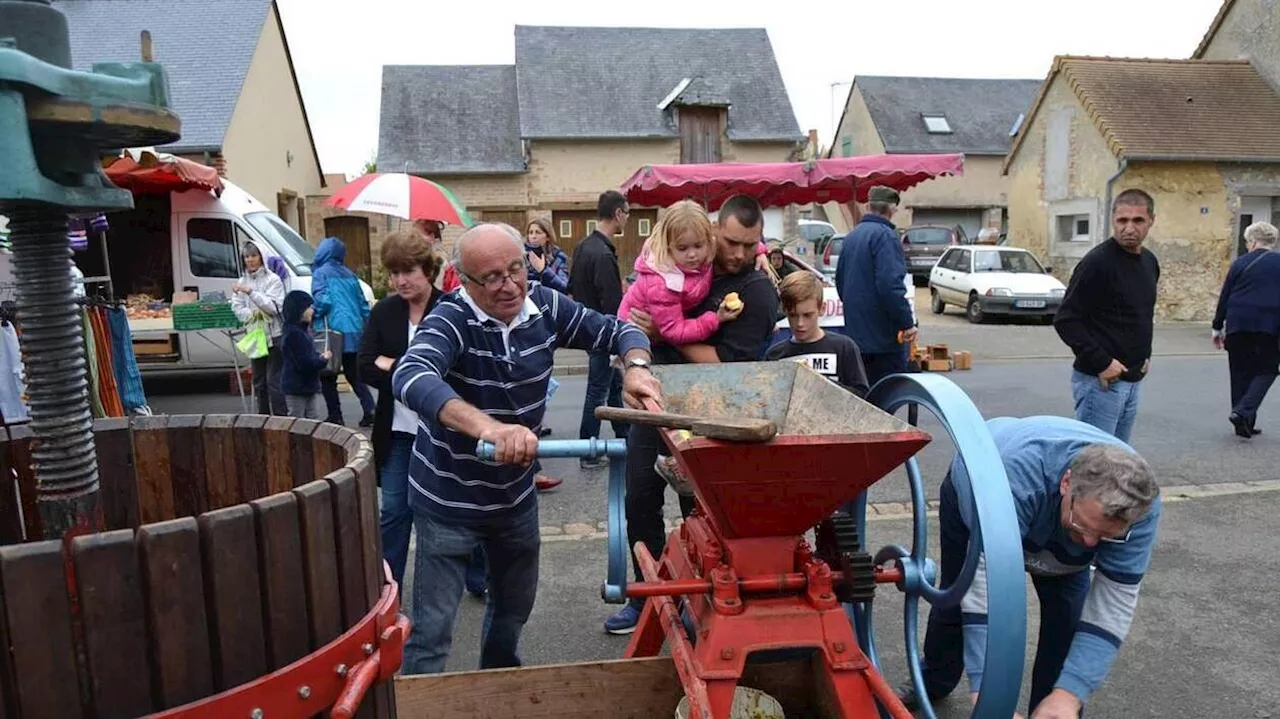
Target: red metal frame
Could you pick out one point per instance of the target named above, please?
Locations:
(335, 678)
(787, 602)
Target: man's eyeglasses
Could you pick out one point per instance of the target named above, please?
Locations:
(494, 280)
(1071, 514)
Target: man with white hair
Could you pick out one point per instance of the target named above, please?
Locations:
(1247, 325)
(1083, 499)
(478, 369)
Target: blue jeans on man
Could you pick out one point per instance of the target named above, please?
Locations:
(396, 518)
(511, 545)
(604, 383)
(1061, 601)
(1111, 410)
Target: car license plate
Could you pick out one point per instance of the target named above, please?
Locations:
(1029, 304)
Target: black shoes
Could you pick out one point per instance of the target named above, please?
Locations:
(907, 695)
(1242, 426)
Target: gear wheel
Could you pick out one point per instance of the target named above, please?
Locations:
(839, 545)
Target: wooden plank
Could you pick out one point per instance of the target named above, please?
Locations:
(619, 689)
(347, 529)
(284, 589)
(233, 592)
(37, 631)
(115, 626)
(220, 460)
(176, 620)
(301, 449)
(118, 483)
(279, 461)
(320, 561)
(370, 526)
(251, 458)
(353, 446)
(11, 529)
(322, 450)
(151, 462)
(20, 459)
(187, 465)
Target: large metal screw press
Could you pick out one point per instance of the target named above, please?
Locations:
(55, 125)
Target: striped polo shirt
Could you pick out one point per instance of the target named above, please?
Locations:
(460, 352)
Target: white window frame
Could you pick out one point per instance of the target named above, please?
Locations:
(931, 124)
(1063, 220)
(591, 226)
(643, 227)
(566, 228)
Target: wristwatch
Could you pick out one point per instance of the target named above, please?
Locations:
(639, 362)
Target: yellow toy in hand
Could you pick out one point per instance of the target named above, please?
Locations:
(732, 303)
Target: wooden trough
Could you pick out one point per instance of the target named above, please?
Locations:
(235, 547)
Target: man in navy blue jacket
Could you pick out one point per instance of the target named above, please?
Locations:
(478, 368)
(869, 277)
(1247, 325)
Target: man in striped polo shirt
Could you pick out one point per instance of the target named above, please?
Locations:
(478, 368)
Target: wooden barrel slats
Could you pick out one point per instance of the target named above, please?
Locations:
(235, 545)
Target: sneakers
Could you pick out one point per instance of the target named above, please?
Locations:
(366, 421)
(593, 463)
(545, 483)
(907, 695)
(669, 470)
(623, 621)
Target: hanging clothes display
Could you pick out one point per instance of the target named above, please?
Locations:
(107, 389)
(91, 360)
(128, 376)
(13, 390)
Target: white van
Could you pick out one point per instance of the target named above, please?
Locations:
(190, 241)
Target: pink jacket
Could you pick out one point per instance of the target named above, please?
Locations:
(666, 296)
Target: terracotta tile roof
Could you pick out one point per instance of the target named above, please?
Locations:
(1172, 109)
(1213, 29)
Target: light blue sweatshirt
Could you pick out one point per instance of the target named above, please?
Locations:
(1037, 451)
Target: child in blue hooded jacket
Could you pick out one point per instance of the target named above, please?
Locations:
(341, 304)
(302, 364)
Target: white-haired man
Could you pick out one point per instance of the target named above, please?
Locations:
(478, 368)
(1083, 499)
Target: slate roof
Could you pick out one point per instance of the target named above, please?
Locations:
(438, 119)
(205, 47)
(980, 112)
(1204, 110)
(580, 82)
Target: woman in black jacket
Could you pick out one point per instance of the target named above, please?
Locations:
(413, 267)
(1247, 325)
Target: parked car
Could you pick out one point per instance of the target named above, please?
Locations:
(813, 231)
(989, 280)
(827, 252)
(924, 244)
(831, 315)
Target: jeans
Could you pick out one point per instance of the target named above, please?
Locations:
(646, 494)
(1112, 410)
(329, 387)
(511, 544)
(396, 519)
(302, 406)
(882, 364)
(603, 383)
(266, 383)
(1061, 601)
(1252, 358)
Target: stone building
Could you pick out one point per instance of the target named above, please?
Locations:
(579, 111)
(234, 88)
(925, 115)
(1201, 136)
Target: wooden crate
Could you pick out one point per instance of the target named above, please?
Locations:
(963, 359)
(937, 365)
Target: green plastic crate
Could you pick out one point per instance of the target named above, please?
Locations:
(204, 316)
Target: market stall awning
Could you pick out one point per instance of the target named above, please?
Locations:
(150, 172)
(775, 184)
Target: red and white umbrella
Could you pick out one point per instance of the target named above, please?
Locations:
(401, 195)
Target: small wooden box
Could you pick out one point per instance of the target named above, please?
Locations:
(938, 352)
(937, 365)
(963, 359)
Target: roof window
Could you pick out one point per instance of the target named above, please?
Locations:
(937, 124)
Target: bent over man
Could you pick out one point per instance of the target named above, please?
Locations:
(1083, 499)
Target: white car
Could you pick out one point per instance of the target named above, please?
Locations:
(994, 281)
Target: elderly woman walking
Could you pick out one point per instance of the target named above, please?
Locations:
(1247, 325)
(259, 294)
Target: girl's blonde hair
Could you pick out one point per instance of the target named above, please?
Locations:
(684, 216)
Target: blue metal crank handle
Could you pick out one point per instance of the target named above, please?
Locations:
(562, 448)
(986, 505)
(614, 590)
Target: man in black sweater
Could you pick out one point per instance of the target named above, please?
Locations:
(1107, 318)
(594, 281)
(738, 230)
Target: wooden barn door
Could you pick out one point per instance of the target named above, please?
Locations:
(354, 233)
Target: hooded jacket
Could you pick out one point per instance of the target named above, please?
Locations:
(266, 296)
(302, 364)
(666, 296)
(340, 302)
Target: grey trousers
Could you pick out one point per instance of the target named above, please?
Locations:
(303, 406)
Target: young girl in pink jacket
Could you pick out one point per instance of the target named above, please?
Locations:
(673, 275)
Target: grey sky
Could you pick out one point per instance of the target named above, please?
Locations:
(340, 46)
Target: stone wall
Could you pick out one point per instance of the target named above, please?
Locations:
(1249, 32)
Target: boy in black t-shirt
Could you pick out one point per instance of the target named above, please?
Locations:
(833, 355)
